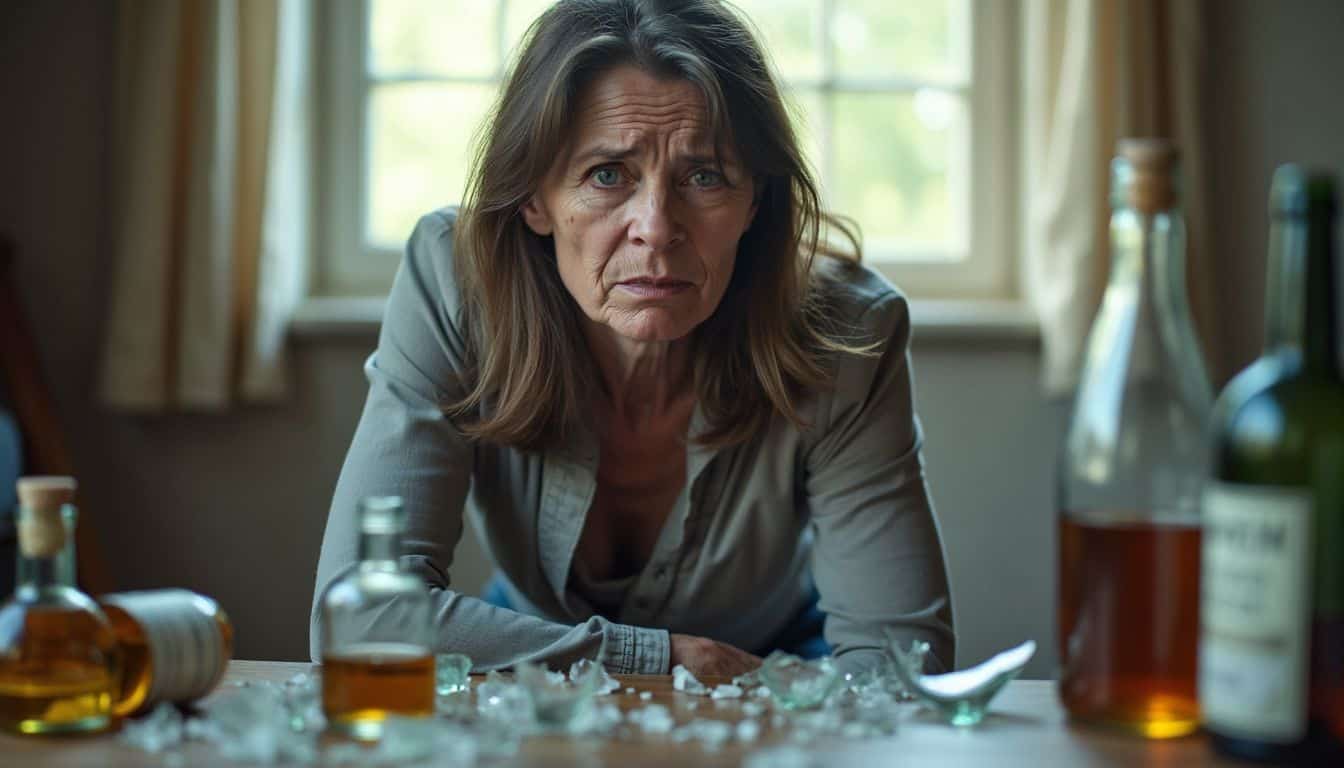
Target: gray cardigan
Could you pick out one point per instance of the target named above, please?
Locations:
(841, 503)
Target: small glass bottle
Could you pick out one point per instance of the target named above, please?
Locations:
(1131, 471)
(374, 622)
(59, 660)
(175, 646)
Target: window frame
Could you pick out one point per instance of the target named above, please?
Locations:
(347, 266)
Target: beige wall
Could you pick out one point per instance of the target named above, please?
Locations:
(233, 505)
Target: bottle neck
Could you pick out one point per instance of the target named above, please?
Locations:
(1284, 284)
(38, 573)
(379, 551)
(1320, 339)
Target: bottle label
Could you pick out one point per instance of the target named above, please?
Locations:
(1255, 599)
(185, 643)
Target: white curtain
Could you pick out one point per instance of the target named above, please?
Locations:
(1095, 71)
(211, 200)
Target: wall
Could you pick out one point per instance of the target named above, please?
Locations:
(233, 505)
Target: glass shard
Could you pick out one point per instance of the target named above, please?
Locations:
(684, 681)
(452, 673)
(963, 697)
(799, 684)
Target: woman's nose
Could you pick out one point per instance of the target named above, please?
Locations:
(654, 220)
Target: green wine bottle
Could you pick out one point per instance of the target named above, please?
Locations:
(1271, 659)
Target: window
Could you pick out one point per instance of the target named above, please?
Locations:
(904, 108)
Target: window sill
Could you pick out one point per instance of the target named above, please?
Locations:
(934, 320)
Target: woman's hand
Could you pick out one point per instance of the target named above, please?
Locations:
(703, 656)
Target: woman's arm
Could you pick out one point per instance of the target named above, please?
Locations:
(406, 446)
(878, 558)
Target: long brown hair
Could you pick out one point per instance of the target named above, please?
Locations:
(766, 344)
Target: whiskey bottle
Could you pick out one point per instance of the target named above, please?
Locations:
(374, 625)
(1134, 460)
(59, 660)
(175, 646)
(1271, 672)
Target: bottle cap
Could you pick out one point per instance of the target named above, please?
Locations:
(381, 514)
(41, 530)
(1153, 162)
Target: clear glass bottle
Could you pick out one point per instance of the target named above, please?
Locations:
(59, 660)
(1271, 674)
(175, 646)
(377, 657)
(1131, 470)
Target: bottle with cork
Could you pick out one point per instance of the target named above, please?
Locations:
(60, 664)
(1131, 473)
(172, 645)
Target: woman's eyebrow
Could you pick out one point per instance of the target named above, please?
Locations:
(607, 152)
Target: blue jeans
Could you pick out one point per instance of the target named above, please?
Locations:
(801, 637)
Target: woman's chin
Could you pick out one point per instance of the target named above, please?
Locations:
(652, 326)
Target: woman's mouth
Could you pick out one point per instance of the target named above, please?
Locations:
(654, 287)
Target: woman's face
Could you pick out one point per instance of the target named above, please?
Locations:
(645, 221)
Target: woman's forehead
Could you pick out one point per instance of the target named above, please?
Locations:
(628, 107)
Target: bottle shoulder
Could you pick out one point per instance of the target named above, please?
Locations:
(370, 586)
(1272, 418)
(57, 612)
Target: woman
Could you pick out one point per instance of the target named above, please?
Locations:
(675, 422)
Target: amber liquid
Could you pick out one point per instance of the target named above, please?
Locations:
(64, 676)
(1129, 624)
(362, 684)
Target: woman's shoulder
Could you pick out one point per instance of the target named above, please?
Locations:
(858, 302)
(428, 263)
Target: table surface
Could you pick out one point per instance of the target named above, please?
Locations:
(1025, 727)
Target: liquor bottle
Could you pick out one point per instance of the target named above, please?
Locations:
(1271, 673)
(1130, 474)
(374, 625)
(175, 646)
(59, 660)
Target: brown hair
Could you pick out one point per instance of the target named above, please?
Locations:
(765, 345)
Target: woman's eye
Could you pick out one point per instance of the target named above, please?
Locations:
(706, 178)
(606, 177)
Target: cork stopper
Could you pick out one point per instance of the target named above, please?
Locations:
(41, 530)
(1152, 184)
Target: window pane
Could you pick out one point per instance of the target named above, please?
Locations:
(899, 169)
(518, 17)
(910, 38)
(806, 109)
(434, 37)
(419, 149)
(789, 32)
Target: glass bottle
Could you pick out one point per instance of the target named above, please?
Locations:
(59, 661)
(1272, 641)
(175, 646)
(1131, 470)
(377, 657)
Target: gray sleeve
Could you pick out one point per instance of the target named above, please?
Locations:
(405, 445)
(877, 558)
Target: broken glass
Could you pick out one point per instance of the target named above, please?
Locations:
(797, 683)
(963, 697)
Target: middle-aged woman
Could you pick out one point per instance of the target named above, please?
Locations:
(683, 426)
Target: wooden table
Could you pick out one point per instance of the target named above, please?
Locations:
(1025, 727)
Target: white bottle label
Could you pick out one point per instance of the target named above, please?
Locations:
(185, 644)
(1254, 611)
